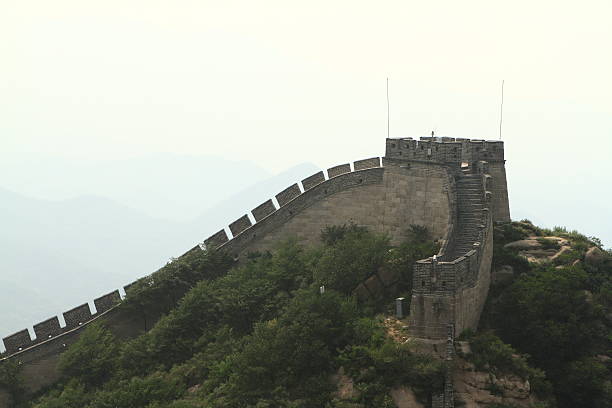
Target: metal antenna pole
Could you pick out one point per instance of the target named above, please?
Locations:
(501, 110)
(387, 108)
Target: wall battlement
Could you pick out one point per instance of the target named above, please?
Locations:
(78, 316)
(50, 328)
(448, 150)
(454, 187)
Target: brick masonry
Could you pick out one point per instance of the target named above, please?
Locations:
(415, 186)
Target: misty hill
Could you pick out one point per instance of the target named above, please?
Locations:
(55, 255)
(176, 187)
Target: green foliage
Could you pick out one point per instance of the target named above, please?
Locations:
(334, 233)
(71, 395)
(586, 383)
(345, 262)
(256, 335)
(377, 363)
(10, 379)
(288, 358)
(558, 317)
(547, 315)
(93, 358)
(548, 243)
(490, 354)
(159, 292)
(504, 234)
(140, 392)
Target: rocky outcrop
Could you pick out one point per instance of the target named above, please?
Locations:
(595, 256)
(540, 249)
(404, 397)
(480, 389)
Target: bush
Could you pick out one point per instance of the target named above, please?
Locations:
(92, 360)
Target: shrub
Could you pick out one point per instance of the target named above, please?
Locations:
(92, 359)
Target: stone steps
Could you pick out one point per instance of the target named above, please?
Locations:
(470, 205)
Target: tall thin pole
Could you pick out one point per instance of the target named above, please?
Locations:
(501, 110)
(387, 108)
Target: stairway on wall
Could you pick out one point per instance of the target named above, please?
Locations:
(470, 203)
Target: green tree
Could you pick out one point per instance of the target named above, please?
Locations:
(93, 358)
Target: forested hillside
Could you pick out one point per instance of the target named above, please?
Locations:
(261, 334)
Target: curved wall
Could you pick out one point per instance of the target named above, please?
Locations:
(386, 200)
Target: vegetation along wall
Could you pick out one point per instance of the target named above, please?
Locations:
(443, 184)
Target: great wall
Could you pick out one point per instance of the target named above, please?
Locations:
(454, 187)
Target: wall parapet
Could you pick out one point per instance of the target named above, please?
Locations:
(291, 200)
(439, 282)
(447, 150)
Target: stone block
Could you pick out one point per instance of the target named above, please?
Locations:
(338, 170)
(310, 182)
(17, 342)
(77, 316)
(216, 240)
(106, 302)
(263, 210)
(367, 163)
(240, 225)
(47, 329)
(288, 194)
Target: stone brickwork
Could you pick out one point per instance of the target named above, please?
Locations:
(384, 199)
(240, 225)
(263, 210)
(47, 329)
(367, 163)
(288, 194)
(106, 302)
(217, 239)
(17, 341)
(453, 286)
(420, 182)
(310, 182)
(338, 170)
(77, 316)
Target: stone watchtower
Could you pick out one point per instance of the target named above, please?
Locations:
(451, 287)
(456, 188)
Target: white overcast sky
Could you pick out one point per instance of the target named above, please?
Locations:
(283, 82)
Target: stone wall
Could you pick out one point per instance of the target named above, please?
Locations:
(415, 185)
(454, 291)
(385, 199)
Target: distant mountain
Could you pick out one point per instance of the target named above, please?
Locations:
(229, 210)
(55, 255)
(176, 187)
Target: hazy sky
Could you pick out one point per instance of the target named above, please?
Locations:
(282, 82)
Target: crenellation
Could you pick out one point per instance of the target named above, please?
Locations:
(216, 240)
(77, 316)
(310, 182)
(367, 163)
(288, 194)
(263, 210)
(106, 302)
(47, 329)
(17, 341)
(127, 287)
(240, 225)
(456, 187)
(338, 170)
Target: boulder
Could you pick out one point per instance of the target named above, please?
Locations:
(524, 244)
(595, 256)
(403, 397)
